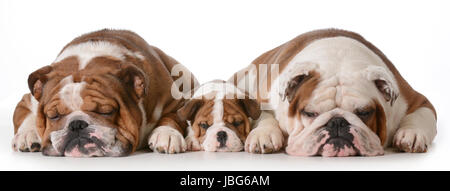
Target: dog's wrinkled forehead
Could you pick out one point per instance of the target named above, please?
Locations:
(70, 93)
(350, 74)
(345, 92)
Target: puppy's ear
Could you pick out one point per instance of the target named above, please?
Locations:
(293, 85)
(383, 82)
(37, 80)
(134, 80)
(251, 107)
(190, 108)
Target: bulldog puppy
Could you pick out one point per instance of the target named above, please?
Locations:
(102, 96)
(219, 117)
(335, 94)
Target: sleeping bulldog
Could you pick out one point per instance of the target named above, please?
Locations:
(332, 93)
(219, 116)
(102, 96)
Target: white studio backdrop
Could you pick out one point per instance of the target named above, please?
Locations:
(216, 38)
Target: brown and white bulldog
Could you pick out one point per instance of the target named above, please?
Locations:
(102, 96)
(219, 117)
(333, 93)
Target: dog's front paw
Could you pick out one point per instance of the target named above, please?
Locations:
(26, 140)
(410, 140)
(193, 144)
(165, 139)
(264, 140)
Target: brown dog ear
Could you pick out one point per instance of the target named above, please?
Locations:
(37, 80)
(293, 86)
(190, 108)
(251, 107)
(134, 80)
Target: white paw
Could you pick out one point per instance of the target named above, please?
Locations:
(193, 144)
(410, 140)
(264, 140)
(165, 139)
(26, 140)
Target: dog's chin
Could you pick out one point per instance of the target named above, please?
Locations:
(83, 147)
(319, 143)
(338, 147)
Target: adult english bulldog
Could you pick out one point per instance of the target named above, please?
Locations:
(102, 96)
(219, 117)
(332, 93)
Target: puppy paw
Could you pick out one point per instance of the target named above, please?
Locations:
(264, 140)
(165, 139)
(26, 140)
(410, 140)
(193, 144)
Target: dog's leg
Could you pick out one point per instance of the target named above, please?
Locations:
(266, 137)
(193, 144)
(167, 137)
(416, 132)
(26, 137)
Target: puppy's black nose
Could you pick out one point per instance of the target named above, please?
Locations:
(222, 138)
(337, 126)
(77, 125)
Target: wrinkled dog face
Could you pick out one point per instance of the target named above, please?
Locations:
(337, 116)
(219, 121)
(82, 125)
(89, 112)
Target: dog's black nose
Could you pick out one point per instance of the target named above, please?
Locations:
(337, 122)
(77, 125)
(337, 126)
(222, 138)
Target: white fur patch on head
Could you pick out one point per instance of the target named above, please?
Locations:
(86, 51)
(70, 93)
(217, 111)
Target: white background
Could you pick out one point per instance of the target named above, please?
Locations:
(214, 39)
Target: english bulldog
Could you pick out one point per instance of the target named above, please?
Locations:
(219, 117)
(332, 93)
(103, 96)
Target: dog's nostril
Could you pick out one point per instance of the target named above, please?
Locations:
(77, 125)
(337, 126)
(337, 122)
(222, 137)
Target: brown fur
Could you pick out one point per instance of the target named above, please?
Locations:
(232, 112)
(22, 111)
(303, 93)
(112, 79)
(199, 110)
(377, 121)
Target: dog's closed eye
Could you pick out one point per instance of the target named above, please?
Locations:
(204, 125)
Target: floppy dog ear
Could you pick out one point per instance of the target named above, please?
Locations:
(190, 108)
(293, 85)
(37, 80)
(251, 107)
(383, 82)
(134, 80)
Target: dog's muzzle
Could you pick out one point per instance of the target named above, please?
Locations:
(340, 139)
(334, 133)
